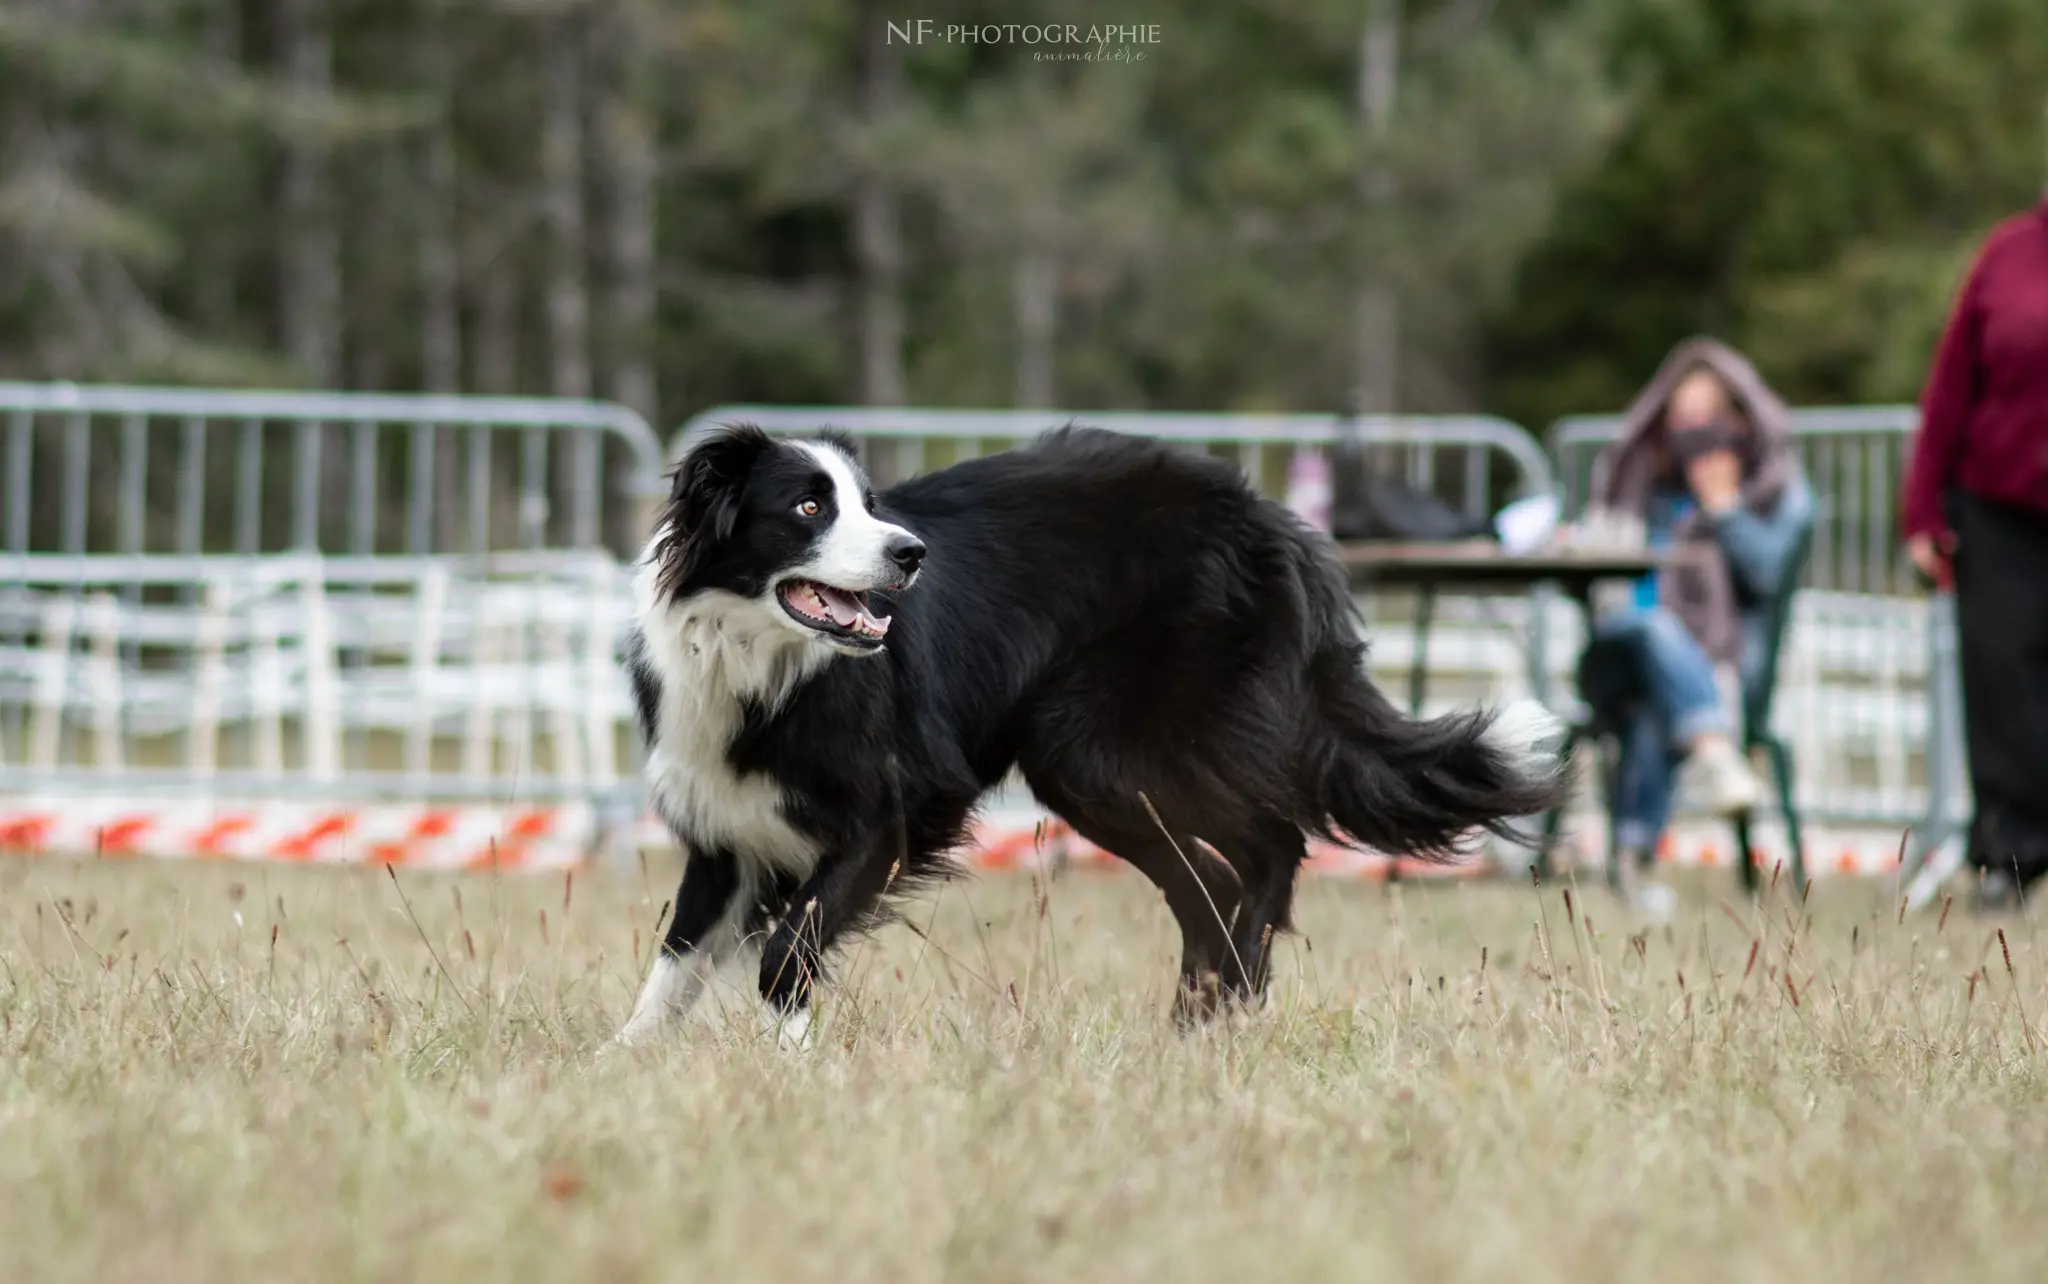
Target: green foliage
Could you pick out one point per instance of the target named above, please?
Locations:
(1806, 179)
(1568, 186)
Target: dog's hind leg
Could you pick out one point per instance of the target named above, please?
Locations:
(1266, 859)
(704, 930)
(1205, 898)
(1203, 892)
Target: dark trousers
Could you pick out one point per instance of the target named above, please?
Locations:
(2002, 612)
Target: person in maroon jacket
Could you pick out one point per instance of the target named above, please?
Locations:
(1976, 516)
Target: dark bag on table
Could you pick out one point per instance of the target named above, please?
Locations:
(1370, 506)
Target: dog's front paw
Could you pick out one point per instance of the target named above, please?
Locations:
(633, 1036)
(791, 1028)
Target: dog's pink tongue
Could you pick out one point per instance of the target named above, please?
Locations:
(842, 606)
(848, 613)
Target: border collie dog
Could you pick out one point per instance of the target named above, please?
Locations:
(829, 680)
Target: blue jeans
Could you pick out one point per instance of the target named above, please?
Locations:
(1679, 702)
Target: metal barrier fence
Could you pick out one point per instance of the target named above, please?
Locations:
(436, 677)
(1477, 462)
(197, 471)
(169, 627)
(160, 649)
(461, 712)
(1855, 457)
(137, 656)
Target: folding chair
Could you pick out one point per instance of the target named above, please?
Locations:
(1756, 696)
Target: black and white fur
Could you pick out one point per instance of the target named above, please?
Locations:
(830, 680)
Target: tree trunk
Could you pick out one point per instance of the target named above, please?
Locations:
(626, 149)
(1036, 289)
(216, 287)
(878, 234)
(627, 131)
(439, 267)
(494, 371)
(561, 162)
(1379, 345)
(440, 291)
(495, 358)
(310, 293)
(1377, 318)
(568, 294)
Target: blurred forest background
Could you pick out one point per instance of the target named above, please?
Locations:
(1285, 205)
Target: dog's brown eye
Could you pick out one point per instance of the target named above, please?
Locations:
(810, 508)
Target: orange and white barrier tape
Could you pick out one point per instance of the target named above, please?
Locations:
(464, 837)
(1026, 840)
(486, 836)
(1830, 850)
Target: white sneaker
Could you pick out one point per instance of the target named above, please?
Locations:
(1718, 780)
(1655, 902)
(1651, 901)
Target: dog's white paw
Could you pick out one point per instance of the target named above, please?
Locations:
(672, 987)
(791, 1029)
(630, 1037)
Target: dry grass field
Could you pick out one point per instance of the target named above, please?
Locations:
(237, 1072)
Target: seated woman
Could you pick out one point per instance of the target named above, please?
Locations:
(1705, 463)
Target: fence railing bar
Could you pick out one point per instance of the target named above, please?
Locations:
(134, 469)
(306, 485)
(285, 568)
(249, 489)
(202, 739)
(317, 407)
(1413, 435)
(77, 459)
(362, 513)
(52, 677)
(191, 517)
(103, 631)
(421, 439)
(583, 487)
(480, 440)
(82, 520)
(533, 487)
(20, 458)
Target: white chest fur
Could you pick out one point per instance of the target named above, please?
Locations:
(711, 653)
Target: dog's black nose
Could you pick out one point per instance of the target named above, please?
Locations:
(907, 551)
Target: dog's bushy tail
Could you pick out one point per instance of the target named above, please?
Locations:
(1408, 787)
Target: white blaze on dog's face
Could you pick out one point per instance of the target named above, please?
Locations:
(858, 550)
(791, 527)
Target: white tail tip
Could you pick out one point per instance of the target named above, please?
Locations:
(1530, 735)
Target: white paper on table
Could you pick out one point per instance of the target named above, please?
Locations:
(1525, 525)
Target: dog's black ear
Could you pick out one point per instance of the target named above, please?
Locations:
(704, 501)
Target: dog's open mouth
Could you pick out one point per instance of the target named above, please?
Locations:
(833, 611)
